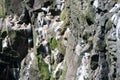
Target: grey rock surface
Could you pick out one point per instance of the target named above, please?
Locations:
(60, 40)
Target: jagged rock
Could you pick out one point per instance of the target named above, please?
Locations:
(43, 49)
(5, 43)
(29, 67)
(96, 3)
(14, 7)
(19, 42)
(83, 70)
(30, 3)
(89, 30)
(94, 62)
(30, 42)
(60, 58)
(25, 18)
(40, 19)
(112, 37)
(78, 49)
(115, 8)
(59, 67)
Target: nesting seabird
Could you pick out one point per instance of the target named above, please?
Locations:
(96, 4)
(115, 8)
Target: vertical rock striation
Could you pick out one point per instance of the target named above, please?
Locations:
(59, 40)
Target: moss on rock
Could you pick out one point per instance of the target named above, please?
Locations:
(43, 67)
(2, 8)
(53, 43)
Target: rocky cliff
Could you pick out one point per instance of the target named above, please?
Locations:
(59, 40)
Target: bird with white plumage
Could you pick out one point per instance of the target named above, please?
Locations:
(96, 3)
(46, 9)
(115, 18)
(115, 8)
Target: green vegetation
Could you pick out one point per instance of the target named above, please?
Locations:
(108, 25)
(7, 3)
(63, 14)
(64, 17)
(52, 78)
(53, 68)
(53, 43)
(43, 67)
(64, 26)
(61, 47)
(2, 8)
(57, 44)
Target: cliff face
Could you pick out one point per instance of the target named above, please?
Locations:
(59, 40)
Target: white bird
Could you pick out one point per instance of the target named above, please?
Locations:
(57, 28)
(15, 18)
(46, 9)
(60, 1)
(67, 33)
(59, 66)
(62, 7)
(115, 18)
(44, 42)
(40, 19)
(47, 61)
(96, 4)
(118, 30)
(115, 8)
(29, 26)
(5, 43)
(23, 25)
(78, 49)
